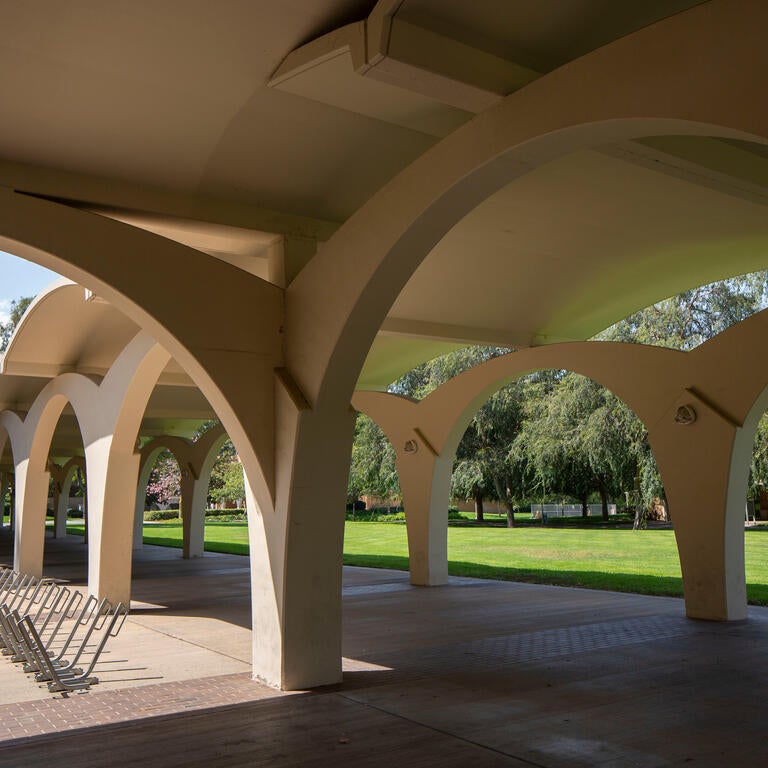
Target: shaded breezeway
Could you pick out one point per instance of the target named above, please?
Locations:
(473, 673)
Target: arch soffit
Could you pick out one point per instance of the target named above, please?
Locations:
(37, 302)
(618, 92)
(72, 242)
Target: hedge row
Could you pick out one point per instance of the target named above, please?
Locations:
(173, 514)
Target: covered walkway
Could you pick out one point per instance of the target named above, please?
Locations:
(473, 673)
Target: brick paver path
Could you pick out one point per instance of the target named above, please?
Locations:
(73, 711)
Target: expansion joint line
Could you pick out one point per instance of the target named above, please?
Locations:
(442, 731)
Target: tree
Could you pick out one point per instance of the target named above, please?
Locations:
(484, 467)
(227, 482)
(372, 469)
(469, 483)
(579, 439)
(758, 470)
(484, 464)
(692, 317)
(18, 308)
(232, 485)
(165, 480)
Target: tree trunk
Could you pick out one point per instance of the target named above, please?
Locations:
(479, 506)
(584, 506)
(604, 500)
(504, 493)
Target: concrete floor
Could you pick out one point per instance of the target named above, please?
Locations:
(477, 673)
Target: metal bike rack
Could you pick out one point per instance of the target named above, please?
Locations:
(49, 628)
(69, 677)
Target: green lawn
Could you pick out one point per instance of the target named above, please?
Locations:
(623, 560)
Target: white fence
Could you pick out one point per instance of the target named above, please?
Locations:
(567, 510)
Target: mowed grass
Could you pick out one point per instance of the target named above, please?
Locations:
(623, 560)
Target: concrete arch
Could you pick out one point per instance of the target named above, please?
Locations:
(145, 471)
(618, 92)
(72, 242)
(32, 475)
(174, 445)
(247, 338)
(436, 424)
(621, 91)
(66, 477)
(627, 370)
(108, 413)
(11, 430)
(704, 466)
(195, 460)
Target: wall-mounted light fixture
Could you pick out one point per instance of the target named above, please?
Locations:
(686, 414)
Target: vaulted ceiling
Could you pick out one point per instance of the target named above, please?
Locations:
(230, 125)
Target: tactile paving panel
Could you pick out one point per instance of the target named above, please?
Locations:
(530, 647)
(584, 638)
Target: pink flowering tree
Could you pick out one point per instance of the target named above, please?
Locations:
(165, 481)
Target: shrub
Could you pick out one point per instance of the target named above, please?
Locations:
(235, 514)
(394, 517)
(162, 514)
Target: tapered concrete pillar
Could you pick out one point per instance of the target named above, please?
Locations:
(190, 522)
(4, 486)
(704, 461)
(194, 513)
(29, 534)
(68, 472)
(111, 492)
(60, 504)
(12, 511)
(296, 550)
(202, 458)
(110, 429)
(145, 471)
(425, 482)
(60, 498)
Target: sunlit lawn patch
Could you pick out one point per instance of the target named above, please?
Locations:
(622, 560)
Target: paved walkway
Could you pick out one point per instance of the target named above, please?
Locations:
(474, 674)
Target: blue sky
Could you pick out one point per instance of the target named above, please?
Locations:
(18, 278)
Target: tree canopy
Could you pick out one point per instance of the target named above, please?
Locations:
(18, 308)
